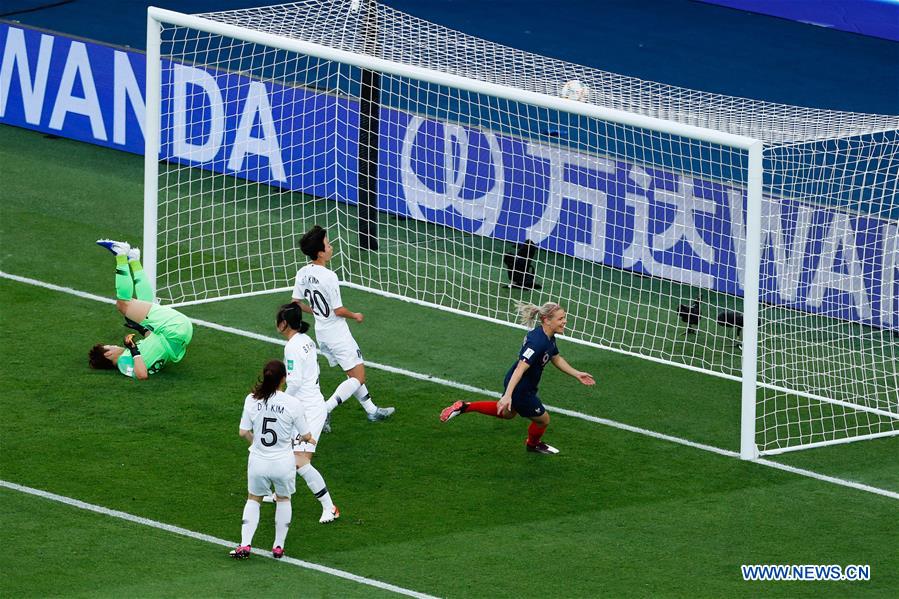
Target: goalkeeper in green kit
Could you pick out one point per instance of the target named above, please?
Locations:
(166, 332)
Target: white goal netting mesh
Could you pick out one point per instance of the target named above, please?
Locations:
(640, 234)
(829, 341)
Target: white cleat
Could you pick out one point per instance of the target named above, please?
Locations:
(381, 414)
(119, 248)
(329, 515)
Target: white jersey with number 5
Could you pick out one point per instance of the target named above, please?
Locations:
(302, 369)
(273, 423)
(320, 288)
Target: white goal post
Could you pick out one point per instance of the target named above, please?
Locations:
(751, 241)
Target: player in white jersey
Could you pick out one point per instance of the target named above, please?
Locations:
(269, 423)
(319, 288)
(302, 382)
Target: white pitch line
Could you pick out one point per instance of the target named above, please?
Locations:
(432, 379)
(208, 538)
(829, 479)
(69, 290)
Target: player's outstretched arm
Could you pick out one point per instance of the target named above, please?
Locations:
(343, 312)
(584, 377)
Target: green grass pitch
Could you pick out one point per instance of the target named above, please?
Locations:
(453, 510)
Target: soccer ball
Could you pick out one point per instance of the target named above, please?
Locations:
(575, 90)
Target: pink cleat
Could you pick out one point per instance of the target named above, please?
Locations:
(452, 411)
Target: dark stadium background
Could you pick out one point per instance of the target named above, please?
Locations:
(680, 42)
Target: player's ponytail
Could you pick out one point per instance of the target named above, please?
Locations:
(292, 315)
(273, 375)
(528, 313)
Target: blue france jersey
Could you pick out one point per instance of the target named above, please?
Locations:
(537, 350)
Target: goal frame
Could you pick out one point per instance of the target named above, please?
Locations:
(753, 148)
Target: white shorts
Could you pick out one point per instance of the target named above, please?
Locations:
(280, 473)
(316, 413)
(341, 349)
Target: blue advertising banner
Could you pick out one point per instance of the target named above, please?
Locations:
(649, 220)
(653, 220)
(877, 18)
(72, 88)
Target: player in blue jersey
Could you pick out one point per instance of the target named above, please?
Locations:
(166, 332)
(522, 379)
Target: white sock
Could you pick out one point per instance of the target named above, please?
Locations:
(343, 392)
(365, 401)
(250, 522)
(283, 513)
(316, 484)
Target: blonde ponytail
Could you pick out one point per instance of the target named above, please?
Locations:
(528, 313)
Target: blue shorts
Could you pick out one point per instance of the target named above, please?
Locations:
(527, 404)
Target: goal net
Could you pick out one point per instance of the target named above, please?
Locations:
(749, 240)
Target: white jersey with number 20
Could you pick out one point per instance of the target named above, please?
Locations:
(320, 288)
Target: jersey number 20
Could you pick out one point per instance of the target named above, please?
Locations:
(317, 302)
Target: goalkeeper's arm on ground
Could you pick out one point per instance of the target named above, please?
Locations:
(144, 331)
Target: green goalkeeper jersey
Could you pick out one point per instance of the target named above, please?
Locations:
(171, 333)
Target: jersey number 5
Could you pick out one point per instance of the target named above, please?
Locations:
(267, 431)
(317, 303)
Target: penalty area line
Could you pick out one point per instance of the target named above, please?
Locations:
(471, 389)
(177, 530)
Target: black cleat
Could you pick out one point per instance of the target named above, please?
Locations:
(543, 448)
